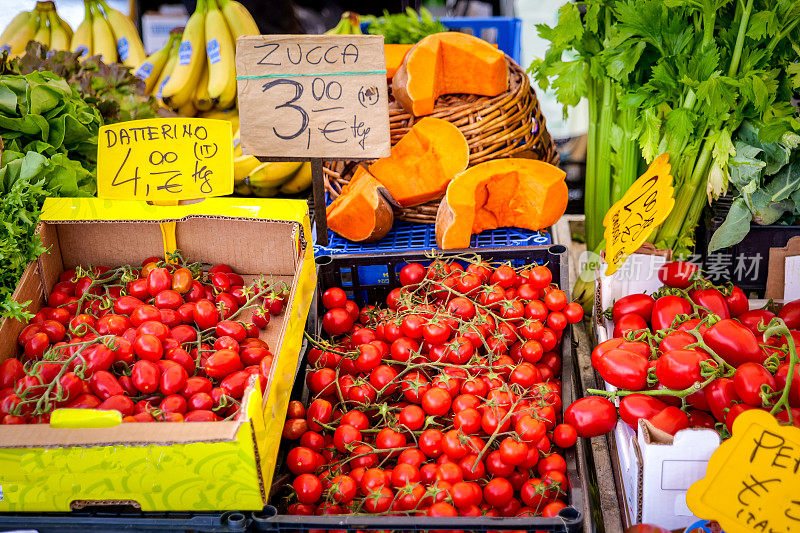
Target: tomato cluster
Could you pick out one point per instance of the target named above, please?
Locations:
(162, 342)
(445, 403)
(693, 355)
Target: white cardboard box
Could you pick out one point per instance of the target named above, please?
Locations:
(655, 468)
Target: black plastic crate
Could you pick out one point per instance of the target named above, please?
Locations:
(343, 271)
(746, 264)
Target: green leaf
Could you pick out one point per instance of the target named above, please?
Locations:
(8, 101)
(733, 229)
(793, 70)
(762, 24)
(651, 135)
(785, 182)
(766, 211)
(745, 166)
(570, 81)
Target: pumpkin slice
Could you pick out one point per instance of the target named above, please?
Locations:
(448, 63)
(423, 162)
(522, 193)
(395, 54)
(363, 212)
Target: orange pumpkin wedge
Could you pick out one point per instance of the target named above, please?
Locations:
(423, 162)
(523, 193)
(395, 54)
(363, 211)
(448, 63)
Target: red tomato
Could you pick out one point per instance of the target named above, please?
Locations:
(666, 309)
(146, 375)
(748, 382)
(498, 492)
(737, 302)
(591, 416)
(755, 319)
(678, 274)
(734, 343)
(670, 419)
(337, 321)
(790, 313)
(221, 363)
(713, 301)
(637, 304)
(629, 323)
(411, 275)
(679, 369)
(635, 406)
(623, 369)
(205, 314)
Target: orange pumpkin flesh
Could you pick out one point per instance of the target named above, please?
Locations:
(448, 63)
(395, 54)
(523, 193)
(363, 211)
(423, 162)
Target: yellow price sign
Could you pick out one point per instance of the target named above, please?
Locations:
(631, 220)
(165, 159)
(752, 482)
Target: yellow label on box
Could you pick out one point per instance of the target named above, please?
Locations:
(631, 220)
(752, 482)
(165, 159)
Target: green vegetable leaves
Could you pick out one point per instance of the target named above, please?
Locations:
(734, 228)
(404, 28)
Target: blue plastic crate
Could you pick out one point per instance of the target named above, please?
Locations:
(505, 32)
(409, 236)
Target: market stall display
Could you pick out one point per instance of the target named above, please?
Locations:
(42, 24)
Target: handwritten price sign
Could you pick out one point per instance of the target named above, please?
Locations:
(165, 159)
(753, 480)
(631, 220)
(313, 96)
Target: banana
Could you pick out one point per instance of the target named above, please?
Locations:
(191, 59)
(220, 51)
(242, 189)
(82, 38)
(231, 115)
(129, 45)
(59, 39)
(187, 109)
(240, 21)
(17, 28)
(103, 40)
(150, 70)
(243, 166)
(67, 28)
(299, 182)
(263, 192)
(349, 24)
(43, 33)
(163, 78)
(273, 174)
(202, 101)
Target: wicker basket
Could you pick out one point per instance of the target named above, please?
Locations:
(510, 124)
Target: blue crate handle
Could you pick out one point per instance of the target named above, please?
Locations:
(509, 31)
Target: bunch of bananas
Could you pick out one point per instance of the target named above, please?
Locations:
(41, 24)
(196, 70)
(251, 177)
(350, 24)
(108, 33)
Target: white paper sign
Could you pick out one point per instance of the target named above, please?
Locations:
(791, 290)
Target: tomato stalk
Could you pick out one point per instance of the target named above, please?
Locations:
(778, 328)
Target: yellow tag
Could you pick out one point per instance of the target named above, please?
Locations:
(752, 482)
(165, 159)
(84, 418)
(631, 220)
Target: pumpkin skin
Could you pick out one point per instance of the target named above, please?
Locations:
(363, 212)
(423, 162)
(513, 192)
(448, 63)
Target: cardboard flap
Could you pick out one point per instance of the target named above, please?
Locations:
(776, 274)
(653, 435)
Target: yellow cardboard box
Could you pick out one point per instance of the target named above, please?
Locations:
(163, 466)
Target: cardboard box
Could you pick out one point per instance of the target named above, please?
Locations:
(655, 469)
(163, 466)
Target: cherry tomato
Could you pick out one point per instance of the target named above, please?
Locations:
(635, 406)
(222, 362)
(734, 343)
(623, 369)
(591, 416)
(790, 313)
(679, 369)
(337, 321)
(678, 274)
(666, 309)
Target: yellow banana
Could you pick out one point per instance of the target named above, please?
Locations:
(299, 182)
(150, 70)
(102, 37)
(67, 28)
(43, 33)
(231, 115)
(17, 29)
(273, 174)
(191, 58)
(263, 192)
(163, 78)
(221, 52)
(187, 109)
(243, 166)
(59, 40)
(240, 21)
(129, 45)
(242, 189)
(82, 38)
(202, 101)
